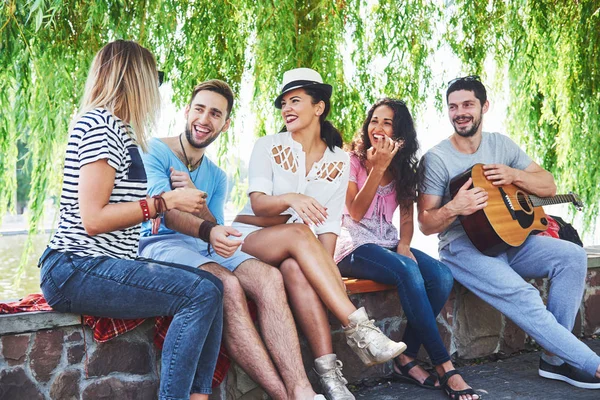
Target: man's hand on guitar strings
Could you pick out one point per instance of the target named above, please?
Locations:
(467, 201)
(500, 174)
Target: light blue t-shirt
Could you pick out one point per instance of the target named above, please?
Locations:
(208, 177)
(443, 162)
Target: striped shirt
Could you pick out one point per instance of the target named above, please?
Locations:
(100, 135)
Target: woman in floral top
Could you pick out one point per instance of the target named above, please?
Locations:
(383, 177)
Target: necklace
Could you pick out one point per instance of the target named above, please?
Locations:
(189, 165)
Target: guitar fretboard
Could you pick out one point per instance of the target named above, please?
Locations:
(547, 201)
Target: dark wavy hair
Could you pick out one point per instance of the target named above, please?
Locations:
(403, 167)
(329, 133)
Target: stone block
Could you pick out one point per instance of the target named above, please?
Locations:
(120, 356)
(514, 338)
(46, 353)
(243, 382)
(14, 348)
(66, 386)
(74, 337)
(593, 277)
(75, 354)
(116, 389)
(380, 305)
(592, 313)
(477, 326)
(16, 385)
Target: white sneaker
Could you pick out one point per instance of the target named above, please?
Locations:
(329, 369)
(368, 342)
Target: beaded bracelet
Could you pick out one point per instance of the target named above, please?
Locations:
(145, 210)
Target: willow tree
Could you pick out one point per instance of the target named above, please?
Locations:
(551, 52)
(47, 46)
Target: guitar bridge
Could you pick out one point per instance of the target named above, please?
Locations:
(508, 203)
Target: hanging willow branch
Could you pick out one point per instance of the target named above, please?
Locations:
(549, 49)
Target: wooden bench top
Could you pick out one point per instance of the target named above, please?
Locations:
(354, 286)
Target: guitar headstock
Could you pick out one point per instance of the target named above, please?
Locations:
(576, 201)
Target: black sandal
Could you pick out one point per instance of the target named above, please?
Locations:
(455, 394)
(404, 376)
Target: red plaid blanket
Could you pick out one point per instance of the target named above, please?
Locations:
(108, 328)
(553, 228)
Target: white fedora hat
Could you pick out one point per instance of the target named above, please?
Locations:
(300, 78)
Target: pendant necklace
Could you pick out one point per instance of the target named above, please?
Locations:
(189, 166)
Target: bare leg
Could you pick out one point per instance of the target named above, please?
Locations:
(264, 284)
(276, 243)
(456, 382)
(197, 396)
(240, 337)
(308, 309)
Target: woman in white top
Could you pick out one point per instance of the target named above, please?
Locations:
(300, 175)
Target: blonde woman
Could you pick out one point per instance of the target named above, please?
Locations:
(89, 266)
(300, 175)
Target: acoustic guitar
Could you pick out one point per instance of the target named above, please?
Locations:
(510, 216)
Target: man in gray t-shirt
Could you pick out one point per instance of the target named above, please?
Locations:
(444, 162)
(500, 280)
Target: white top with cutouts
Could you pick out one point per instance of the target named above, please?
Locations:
(277, 167)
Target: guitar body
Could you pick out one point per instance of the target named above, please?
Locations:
(507, 220)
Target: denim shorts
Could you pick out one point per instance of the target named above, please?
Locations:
(187, 250)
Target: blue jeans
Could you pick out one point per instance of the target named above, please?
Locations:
(119, 288)
(423, 288)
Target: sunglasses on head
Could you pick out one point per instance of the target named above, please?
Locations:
(465, 79)
(161, 77)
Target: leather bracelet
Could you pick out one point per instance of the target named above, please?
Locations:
(160, 205)
(145, 210)
(204, 230)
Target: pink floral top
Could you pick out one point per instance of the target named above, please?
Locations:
(376, 226)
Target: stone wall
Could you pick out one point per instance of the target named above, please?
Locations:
(51, 364)
(43, 355)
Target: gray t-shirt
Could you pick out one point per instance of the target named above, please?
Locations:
(443, 162)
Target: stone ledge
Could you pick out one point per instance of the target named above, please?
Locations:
(593, 253)
(35, 321)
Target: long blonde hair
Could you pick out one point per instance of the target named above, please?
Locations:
(124, 80)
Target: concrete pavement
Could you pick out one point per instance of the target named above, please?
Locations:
(515, 378)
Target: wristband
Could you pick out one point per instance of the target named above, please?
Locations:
(145, 210)
(204, 230)
(160, 205)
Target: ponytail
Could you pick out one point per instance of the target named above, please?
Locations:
(329, 133)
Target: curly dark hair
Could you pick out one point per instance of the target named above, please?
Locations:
(404, 164)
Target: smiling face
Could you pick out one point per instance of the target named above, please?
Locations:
(206, 118)
(465, 112)
(381, 124)
(299, 112)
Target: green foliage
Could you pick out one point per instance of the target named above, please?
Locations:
(548, 50)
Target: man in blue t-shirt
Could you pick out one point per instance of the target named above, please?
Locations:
(177, 162)
(500, 280)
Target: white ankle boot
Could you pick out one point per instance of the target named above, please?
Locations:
(329, 369)
(368, 342)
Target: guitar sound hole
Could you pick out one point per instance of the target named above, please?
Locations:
(524, 202)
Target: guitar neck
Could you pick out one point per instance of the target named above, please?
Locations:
(548, 201)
